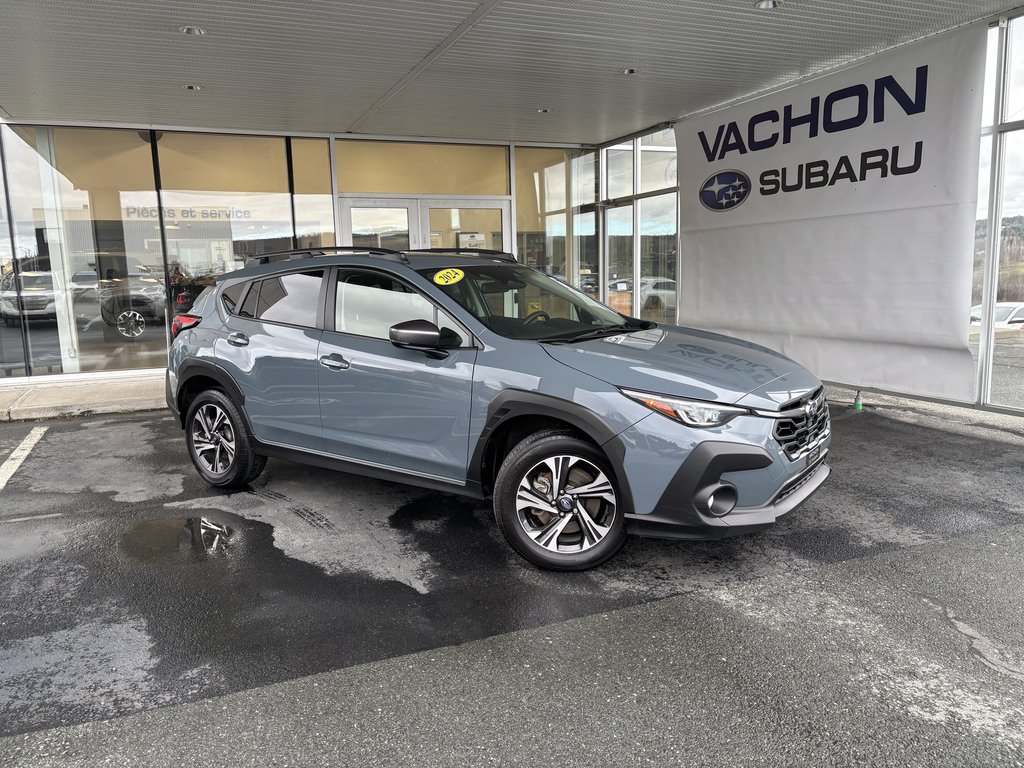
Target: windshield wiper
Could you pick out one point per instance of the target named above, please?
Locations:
(593, 333)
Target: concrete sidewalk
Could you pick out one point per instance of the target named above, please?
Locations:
(45, 400)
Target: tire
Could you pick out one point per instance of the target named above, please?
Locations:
(584, 537)
(8, 321)
(215, 423)
(653, 304)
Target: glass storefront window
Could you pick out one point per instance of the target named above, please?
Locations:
(225, 198)
(587, 268)
(12, 351)
(90, 294)
(584, 178)
(1008, 351)
(980, 246)
(406, 168)
(619, 179)
(313, 199)
(1015, 75)
(620, 259)
(989, 98)
(658, 259)
(658, 161)
(542, 178)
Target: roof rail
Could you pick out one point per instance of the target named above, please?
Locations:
(503, 255)
(309, 253)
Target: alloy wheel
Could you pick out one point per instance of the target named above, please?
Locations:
(130, 324)
(213, 439)
(566, 504)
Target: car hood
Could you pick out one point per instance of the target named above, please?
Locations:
(685, 362)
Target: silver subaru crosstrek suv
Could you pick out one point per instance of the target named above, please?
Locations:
(467, 372)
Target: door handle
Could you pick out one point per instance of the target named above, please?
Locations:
(335, 362)
(238, 339)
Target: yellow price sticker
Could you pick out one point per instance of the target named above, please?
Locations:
(449, 276)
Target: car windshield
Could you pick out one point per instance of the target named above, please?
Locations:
(1002, 313)
(522, 303)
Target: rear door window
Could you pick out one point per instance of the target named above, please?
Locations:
(291, 298)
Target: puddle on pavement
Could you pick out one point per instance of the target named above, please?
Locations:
(168, 537)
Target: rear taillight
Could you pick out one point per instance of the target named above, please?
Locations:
(181, 322)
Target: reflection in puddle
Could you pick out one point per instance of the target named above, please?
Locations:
(169, 536)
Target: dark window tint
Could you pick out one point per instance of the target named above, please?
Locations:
(290, 298)
(249, 305)
(231, 296)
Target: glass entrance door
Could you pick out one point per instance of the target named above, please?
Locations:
(466, 224)
(379, 223)
(403, 223)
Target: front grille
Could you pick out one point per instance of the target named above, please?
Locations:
(805, 425)
(32, 302)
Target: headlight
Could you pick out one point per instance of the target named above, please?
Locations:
(693, 413)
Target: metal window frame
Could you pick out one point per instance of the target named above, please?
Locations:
(997, 132)
(634, 143)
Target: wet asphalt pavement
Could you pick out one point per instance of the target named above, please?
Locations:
(880, 623)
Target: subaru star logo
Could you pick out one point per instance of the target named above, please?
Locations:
(724, 190)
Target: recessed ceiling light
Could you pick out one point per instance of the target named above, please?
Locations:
(629, 71)
(192, 87)
(543, 110)
(191, 29)
(767, 5)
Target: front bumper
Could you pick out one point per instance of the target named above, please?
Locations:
(676, 516)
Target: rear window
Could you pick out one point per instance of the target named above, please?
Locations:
(232, 295)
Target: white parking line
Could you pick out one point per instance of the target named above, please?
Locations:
(19, 454)
(32, 517)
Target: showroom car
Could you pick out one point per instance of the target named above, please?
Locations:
(470, 373)
(126, 304)
(37, 299)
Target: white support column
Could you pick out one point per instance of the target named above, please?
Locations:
(60, 263)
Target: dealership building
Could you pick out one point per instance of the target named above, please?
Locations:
(152, 149)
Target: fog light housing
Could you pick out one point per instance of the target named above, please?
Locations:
(716, 500)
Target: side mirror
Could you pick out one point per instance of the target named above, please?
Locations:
(421, 335)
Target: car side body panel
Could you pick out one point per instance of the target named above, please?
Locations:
(396, 407)
(276, 370)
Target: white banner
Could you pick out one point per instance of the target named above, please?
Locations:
(834, 221)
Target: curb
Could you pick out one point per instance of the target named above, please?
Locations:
(39, 412)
